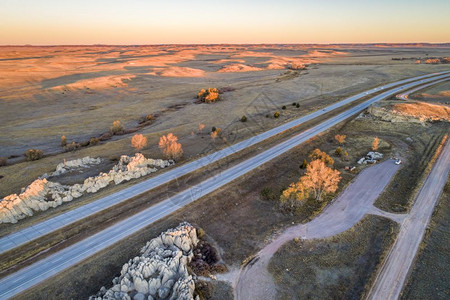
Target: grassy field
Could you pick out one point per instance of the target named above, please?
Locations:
(430, 275)
(340, 267)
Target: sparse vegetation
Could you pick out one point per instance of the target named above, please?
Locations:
(138, 142)
(117, 127)
(3, 161)
(304, 164)
(72, 146)
(283, 107)
(338, 151)
(276, 114)
(93, 141)
(170, 147)
(34, 154)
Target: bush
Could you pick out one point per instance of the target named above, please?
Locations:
(268, 194)
(63, 141)
(244, 118)
(201, 233)
(209, 96)
(304, 164)
(93, 141)
(338, 151)
(298, 105)
(138, 142)
(267, 116)
(213, 129)
(117, 127)
(294, 104)
(3, 161)
(283, 107)
(34, 154)
(72, 146)
(276, 114)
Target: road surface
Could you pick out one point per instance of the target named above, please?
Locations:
(28, 234)
(394, 271)
(405, 95)
(67, 257)
(255, 281)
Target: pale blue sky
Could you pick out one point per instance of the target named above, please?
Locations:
(251, 21)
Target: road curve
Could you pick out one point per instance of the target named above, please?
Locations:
(28, 234)
(392, 275)
(67, 257)
(405, 95)
(255, 281)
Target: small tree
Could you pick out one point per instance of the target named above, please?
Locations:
(138, 142)
(170, 147)
(296, 191)
(276, 114)
(338, 151)
(375, 143)
(34, 154)
(304, 164)
(244, 118)
(63, 141)
(320, 179)
(283, 107)
(340, 138)
(117, 127)
(317, 154)
(201, 127)
(345, 155)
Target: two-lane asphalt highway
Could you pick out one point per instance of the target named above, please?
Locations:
(51, 265)
(28, 234)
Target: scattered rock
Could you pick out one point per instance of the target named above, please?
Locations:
(160, 272)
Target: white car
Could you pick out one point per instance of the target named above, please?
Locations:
(398, 161)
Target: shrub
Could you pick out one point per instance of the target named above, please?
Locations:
(268, 194)
(345, 155)
(117, 127)
(201, 233)
(72, 146)
(138, 142)
(340, 138)
(375, 143)
(317, 154)
(209, 96)
(304, 164)
(283, 107)
(63, 141)
(338, 151)
(298, 105)
(3, 161)
(294, 104)
(170, 147)
(34, 154)
(276, 114)
(201, 127)
(244, 118)
(267, 116)
(93, 141)
(213, 129)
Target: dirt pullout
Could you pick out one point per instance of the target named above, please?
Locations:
(255, 281)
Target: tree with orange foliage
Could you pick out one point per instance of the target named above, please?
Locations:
(295, 192)
(320, 179)
(201, 127)
(340, 138)
(138, 141)
(375, 143)
(170, 147)
(317, 154)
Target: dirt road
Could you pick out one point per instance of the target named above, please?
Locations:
(255, 282)
(391, 278)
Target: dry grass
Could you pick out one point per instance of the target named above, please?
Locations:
(340, 267)
(423, 111)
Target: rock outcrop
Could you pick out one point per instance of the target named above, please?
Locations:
(68, 166)
(43, 194)
(160, 272)
(370, 158)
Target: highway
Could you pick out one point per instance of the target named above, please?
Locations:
(67, 257)
(28, 234)
(394, 271)
(405, 95)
